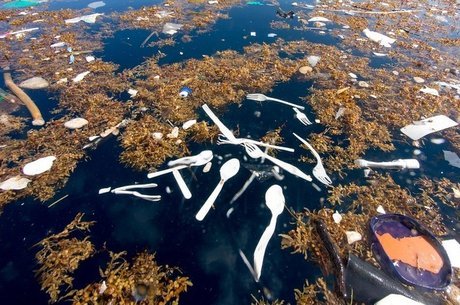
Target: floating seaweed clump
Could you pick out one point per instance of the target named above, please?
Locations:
(142, 282)
(61, 255)
(443, 190)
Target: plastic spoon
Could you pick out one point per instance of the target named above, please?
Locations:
(182, 185)
(201, 159)
(274, 199)
(227, 171)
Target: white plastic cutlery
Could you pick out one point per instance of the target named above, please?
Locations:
(302, 117)
(395, 164)
(182, 185)
(125, 190)
(274, 199)
(318, 171)
(201, 159)
(260, 98)
(227, 171)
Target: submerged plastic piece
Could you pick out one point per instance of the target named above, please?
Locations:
(409, 265)
(38, 166)
(85, 18)
(171, 28)
(21, 3)
(397, 299)
(419, 129)
(34, 83)
(14, 183)
(96, 4)
(395, 164)
(452, 158)
(383, 40)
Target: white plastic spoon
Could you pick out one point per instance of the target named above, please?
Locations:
(182, 185)
(227, 171)
(274, 199)
(201, 159)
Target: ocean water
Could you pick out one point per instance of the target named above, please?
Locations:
(205, 251)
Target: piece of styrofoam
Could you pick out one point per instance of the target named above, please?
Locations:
(424, 127)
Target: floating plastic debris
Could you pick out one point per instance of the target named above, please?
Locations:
(352, 75)
(392, 299)
(418, 80)
(253, 34)
(381, 210)
(85, 18)
(452, 86)
(80, 77)
(58, 45)
(38, 166)
(452, 158)
(171, 28)
(158, 136)
(313, 60)
(419, 129)
(438, 141)
(102, 288)
(305, 69)
(271, 35)
(188, 124)
(340, 112)
(76, 123)
(396, 164)
(353, 236)
(207, 167)
(363, 84)
(174, 133)
(318, 19)
(383, 40)
(337, 217)
(104, 190)
(184, 92)
(90, 58)
(20, 4)
(213, 2)
(429, 90)
(96, 4)
(132, 92)
(379, 54)
(14, 183)
(34, 83)
(452, 248)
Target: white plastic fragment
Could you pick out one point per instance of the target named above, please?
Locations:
(340, 112)
(38, 166)
(58, 45)
(313, 60)
(96, 4)
(80, 77)
(452, 248)
(76, 123)
(363, 84)
(438, 141)
(305, 69)
(419, 129)
(188, 124)
(104, 190)
(132, 92)
(213, 2)
(418, 80)
(157, 136)
(90, 58)
(337, 217)
(174, 133)
(318, 19)
(456, 192)
(395, 164)
(34, 83)
(397, 299)
(62, 81)
(353, 236)
(14, 183)
(171, 28)
(381, 210)
(379, 54)
(452, 158)
(253, 34)
(207, 167)
(429, 90)
(452, 86)
(383, 40)
(271, 35)
(92, 138)
(103, 286)
(352, 75)
(85, 18)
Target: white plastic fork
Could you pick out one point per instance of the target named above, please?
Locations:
(254, 152)
(318, 171)
(260, 98)
(302, 117)
(237, 141)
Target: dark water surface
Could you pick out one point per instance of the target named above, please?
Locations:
(205, 251)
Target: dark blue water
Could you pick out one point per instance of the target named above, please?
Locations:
(205, 251)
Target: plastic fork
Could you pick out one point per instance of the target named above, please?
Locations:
(302, 117)
(254, 152)
(261, 98)
(318, 171)
(237, 141)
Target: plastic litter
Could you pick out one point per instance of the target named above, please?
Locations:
(429, 90)
(271, 35)
(125, 190)
(132, 92)
(38, 166)
(395, 164)
(452, 158)
(85, 18)
(337, 217)
(90, 58)
(21, 4)
(80, 77)
(419, 129)
(353, 236)
(76, 123)
(305, 69)
(213, 2)
(253, 34)
(313, 60)
(452, 248)
(418, 80)
(185, 91)
(379, 54)
(188, 124)
(71, 59)
(398, 299)
(318, 19)
(171, 28)
(383, 40)
(96, 4)
(34, 83)
(58, 45)
(14, 183)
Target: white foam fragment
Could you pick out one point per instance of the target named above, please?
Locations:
(38, 166)
(313, 60)
(104, 190)
(429, 90)
(337, 217)
(419, 129)
(14, 183)
(452, 158)
(381, 39)
(353, 236)
(452, 248)
(80, 77)
(379, 54)
(132, 92)
(76, 123)
(188, 124)
(34, 83)
(381, 210)
(90, 58)
(318, 19)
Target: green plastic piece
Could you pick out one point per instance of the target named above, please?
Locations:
(20, 4)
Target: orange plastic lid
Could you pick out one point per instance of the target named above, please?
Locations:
(415, 251)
